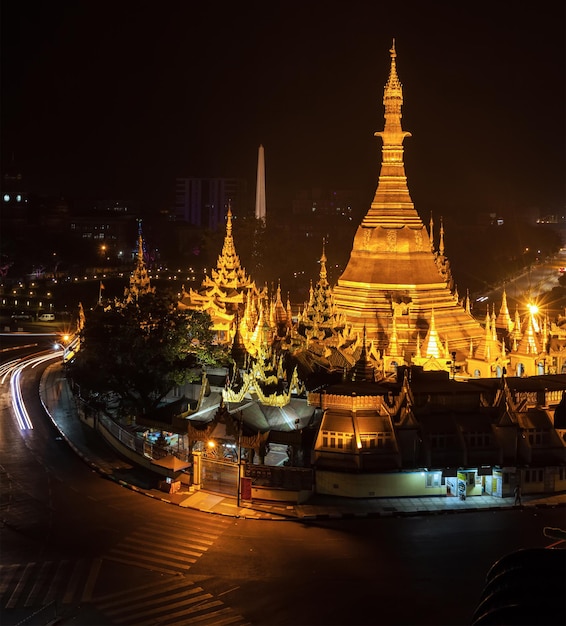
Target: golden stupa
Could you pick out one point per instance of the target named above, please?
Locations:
(396, 282)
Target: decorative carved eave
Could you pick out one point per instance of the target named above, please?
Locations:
(252, 385)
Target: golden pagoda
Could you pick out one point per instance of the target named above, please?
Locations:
(395, 279)
(222, 294)
(140, 282)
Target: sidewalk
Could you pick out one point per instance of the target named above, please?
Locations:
(91, 447)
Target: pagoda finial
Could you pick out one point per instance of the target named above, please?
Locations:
(393, 134)
(323, 273)
(393, 88)
(441, 243)
(229, 219)
(431, 228)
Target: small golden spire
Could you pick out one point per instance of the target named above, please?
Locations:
(323, 272)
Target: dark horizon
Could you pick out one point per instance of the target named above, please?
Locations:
(118, 100)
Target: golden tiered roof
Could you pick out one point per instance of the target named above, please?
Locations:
(393, 271)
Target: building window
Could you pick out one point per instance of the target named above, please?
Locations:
(478, 439)
(368, 440)
(375, 440)
(441, 441)
(336, 440)
(536, 436)
(534, 476)
(432, 479)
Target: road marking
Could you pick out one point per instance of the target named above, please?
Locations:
(73, 582)
(20, 586)
(91, 580)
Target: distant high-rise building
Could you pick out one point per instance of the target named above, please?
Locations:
(260, 187)
(204, 202)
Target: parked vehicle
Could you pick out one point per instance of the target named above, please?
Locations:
(47, 317)
(21, 317)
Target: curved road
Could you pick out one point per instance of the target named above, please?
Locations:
(88, 551)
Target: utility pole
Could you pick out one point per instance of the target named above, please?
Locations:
(239, 458)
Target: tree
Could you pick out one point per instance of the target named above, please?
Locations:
(140, 351)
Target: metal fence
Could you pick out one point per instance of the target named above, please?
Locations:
(139, 444)
(219, 476)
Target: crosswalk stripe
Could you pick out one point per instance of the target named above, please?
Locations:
(213, 618)
(194, 531)
(197, 542)
(190, 537)
(166, 605)
(7, 574)
(169, 602)
(195, 609)
(12, 602)
(183, 564)
(91, 580)
(132, 595)
(171, 548)
(151, 567)
(55, 582)
(73, 583)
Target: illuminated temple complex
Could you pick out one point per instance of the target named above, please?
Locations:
(385, 384)
(397, 291)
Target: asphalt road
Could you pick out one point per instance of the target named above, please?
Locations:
(531, 286)
(93, 553)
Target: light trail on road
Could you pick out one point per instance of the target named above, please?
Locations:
(14, 369)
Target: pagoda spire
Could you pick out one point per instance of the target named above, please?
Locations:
(441, 243)
(392, 203)
(433, 345)
(431, 232)
(504, 320)
(323, 282)
(363, 370)
(393, 347)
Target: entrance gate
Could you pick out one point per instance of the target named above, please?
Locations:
(219, 476)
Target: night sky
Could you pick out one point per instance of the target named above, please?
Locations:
(117, 99)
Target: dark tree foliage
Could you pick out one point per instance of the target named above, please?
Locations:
(139, 352)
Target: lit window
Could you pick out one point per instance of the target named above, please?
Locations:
(337, 440)
(432, 479)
